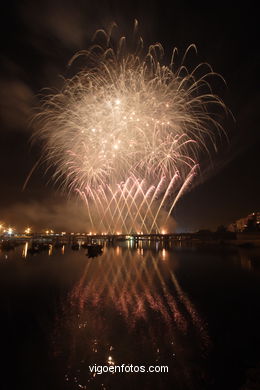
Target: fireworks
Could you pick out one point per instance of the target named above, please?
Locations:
(126, 132)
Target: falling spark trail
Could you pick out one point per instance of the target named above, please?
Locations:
(176, 176)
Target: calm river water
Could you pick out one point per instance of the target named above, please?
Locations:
(196, 311)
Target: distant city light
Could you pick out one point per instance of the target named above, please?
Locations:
(49, 231)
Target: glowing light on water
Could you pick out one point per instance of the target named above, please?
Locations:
(126, 132)
(50, 250)
(25, 250)
(164, 254)
(110, 360)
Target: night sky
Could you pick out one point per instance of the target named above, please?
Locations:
(38, 38)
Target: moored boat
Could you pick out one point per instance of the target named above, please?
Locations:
(94, 250)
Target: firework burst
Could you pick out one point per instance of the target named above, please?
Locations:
(126, 132)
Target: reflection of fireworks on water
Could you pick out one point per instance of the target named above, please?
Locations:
(134, 289)
(127, 305)
(126, 132)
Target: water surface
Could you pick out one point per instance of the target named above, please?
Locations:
(193, 310)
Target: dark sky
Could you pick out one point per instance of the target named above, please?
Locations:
(38, 38)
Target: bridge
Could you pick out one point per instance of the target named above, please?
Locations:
(111, 237)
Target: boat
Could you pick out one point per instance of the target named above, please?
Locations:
(34, 249)
(38, 247)
(58, 245)
(75, 246)
(94, 250)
